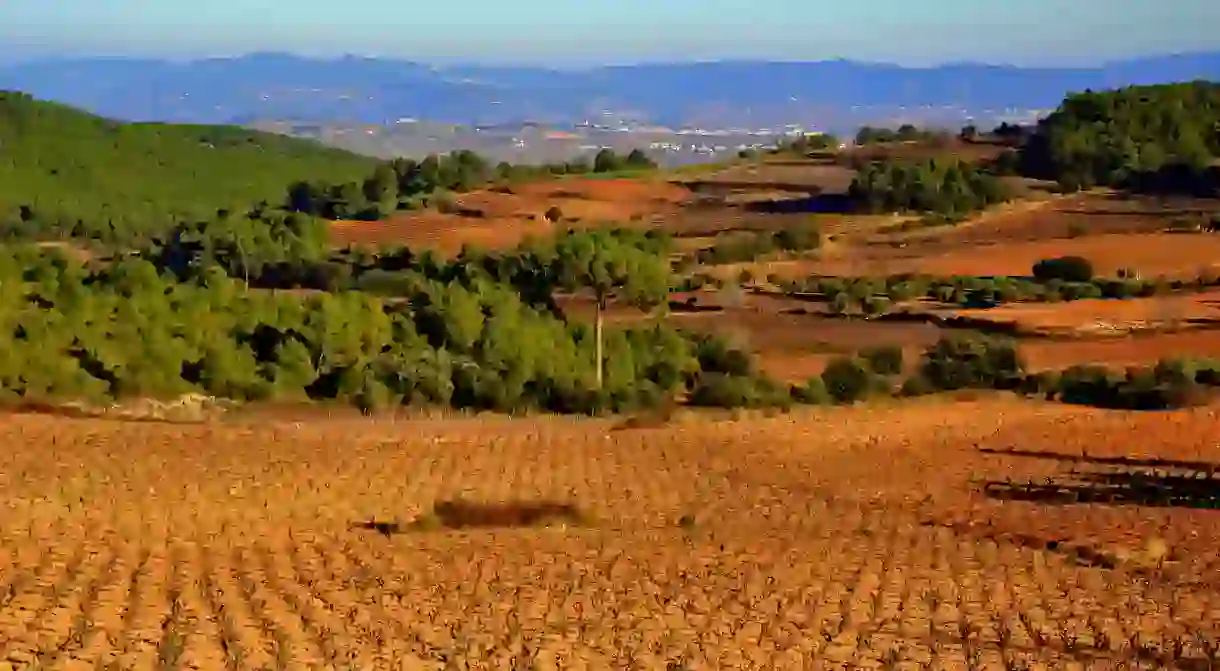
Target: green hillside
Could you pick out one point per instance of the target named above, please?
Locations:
(63, 169)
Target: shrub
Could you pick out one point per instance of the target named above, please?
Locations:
(1207, 372)
(848, 379)
(884, 360)
(717, 390)
(444, 202)
(1163, 387)
(1064, 268)
(877, 305)
(798, 237)
(840, 304)
(813, 392)
(972, 362)
(1045, 384)
(1176, 371)
(1087, 385)
(717, 356)
(916, 385)
(553, 214)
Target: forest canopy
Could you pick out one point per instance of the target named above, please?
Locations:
(74, 170)
(1159, 138)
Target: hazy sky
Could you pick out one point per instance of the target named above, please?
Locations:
(561, 32)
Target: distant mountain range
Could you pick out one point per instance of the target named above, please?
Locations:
(828, 94)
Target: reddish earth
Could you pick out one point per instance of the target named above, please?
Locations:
(869, 537)
(971, 152)
(499, 218)
(1121, 352)
(1099, 317)
(1155, 254)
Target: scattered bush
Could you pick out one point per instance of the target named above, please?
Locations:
(1170, 384)
(717, 390)
(972, 362)
(749, 245)
(884, 360)
(1064, 268)
(848, 380)
(916, 385)
(813, 392)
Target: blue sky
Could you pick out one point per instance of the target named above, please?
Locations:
(558, 32)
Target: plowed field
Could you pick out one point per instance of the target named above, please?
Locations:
(841, 538)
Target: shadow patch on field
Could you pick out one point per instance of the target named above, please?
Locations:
(820, 203)
(1135, 462)
(457, 514)
(693, 307)
(382, 527)
(1194, 489)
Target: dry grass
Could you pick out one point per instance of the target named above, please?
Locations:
(849, 538)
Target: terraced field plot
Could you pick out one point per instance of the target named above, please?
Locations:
(837, 538)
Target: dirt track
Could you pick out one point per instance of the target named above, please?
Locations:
(810, 541)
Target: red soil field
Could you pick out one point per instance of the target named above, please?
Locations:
(1121, 352)
(491, 219)
(846, 537)
(1098, 317)
(1168, 254)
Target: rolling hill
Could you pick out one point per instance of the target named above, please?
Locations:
(62, 163)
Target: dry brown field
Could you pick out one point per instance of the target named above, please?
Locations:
(495, 219)
(971, 152)
(1143, 350)
(1112, 230)
(1150, 254)
(871, 537)
(1101, 317)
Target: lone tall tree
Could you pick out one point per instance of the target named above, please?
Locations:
(612, 263)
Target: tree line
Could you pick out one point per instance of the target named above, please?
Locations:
(406, 184)
(870, 135)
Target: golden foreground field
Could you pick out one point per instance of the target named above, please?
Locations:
(871, 537)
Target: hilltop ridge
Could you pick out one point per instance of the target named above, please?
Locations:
(65, 164)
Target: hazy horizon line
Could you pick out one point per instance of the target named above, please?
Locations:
(609, 63)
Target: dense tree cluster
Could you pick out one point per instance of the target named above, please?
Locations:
(1158, 138)
(738, 246)
(64, 172)
(943, 186)
(805, 144)
(406, 184)
(128, 330)
(394, 185)
(868, 135)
